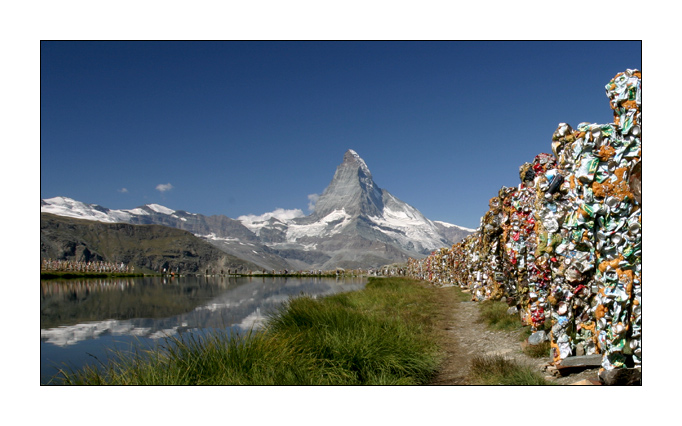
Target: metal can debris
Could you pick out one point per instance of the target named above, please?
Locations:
(565, 245)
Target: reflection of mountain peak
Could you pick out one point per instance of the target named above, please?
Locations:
(153, 309)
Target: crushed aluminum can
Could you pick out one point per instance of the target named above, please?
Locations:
(573, 275)
(588, 167)
(564, 350)
(635, 181)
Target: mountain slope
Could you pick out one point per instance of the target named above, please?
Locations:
(228, 235)
(150, 247)
(454, 233)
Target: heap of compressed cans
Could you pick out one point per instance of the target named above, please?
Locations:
(565, 245)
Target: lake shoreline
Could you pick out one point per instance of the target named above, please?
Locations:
(72, 275)
(384, 334)
(84, 319)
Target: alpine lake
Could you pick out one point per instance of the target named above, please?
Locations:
(83, 320)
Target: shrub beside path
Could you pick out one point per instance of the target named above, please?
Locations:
(464, 337)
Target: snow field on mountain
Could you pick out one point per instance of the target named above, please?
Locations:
(63, 206)
(320, 228)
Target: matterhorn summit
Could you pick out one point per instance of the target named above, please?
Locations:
(356, 224)
(352, 189)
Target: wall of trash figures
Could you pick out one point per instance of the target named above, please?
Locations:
(565, 245)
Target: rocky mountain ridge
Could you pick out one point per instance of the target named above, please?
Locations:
(355, 224)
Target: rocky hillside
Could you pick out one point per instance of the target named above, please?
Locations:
(146, 247)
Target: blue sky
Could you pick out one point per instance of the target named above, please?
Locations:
(239, 128)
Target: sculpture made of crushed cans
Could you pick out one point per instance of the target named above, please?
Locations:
(565, 246)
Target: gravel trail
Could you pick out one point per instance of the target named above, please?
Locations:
(465, 337)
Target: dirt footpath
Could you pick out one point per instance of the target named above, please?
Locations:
(465, 337)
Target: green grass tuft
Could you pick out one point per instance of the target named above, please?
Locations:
(497, 370)
(538, 351)
(495, 315)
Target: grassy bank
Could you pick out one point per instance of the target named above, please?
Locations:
(382, 335)
(498, 370)
(296, 275)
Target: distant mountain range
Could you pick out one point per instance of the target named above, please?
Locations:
(355, 224)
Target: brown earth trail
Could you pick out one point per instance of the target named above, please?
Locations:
(464, 336)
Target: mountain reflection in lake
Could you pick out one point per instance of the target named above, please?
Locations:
(80, 320)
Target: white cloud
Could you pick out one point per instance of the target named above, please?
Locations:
(123, 190)
(312, 200)
(163, 187)
(282, 214)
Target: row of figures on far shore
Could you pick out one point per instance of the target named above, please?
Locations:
(387, 272)
(79, 266)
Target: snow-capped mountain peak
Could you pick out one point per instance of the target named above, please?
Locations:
(355, 224)
(63, 206)
(352, 189)
(353, 209)
(360, 161)
(160, 209)
(256, 222)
